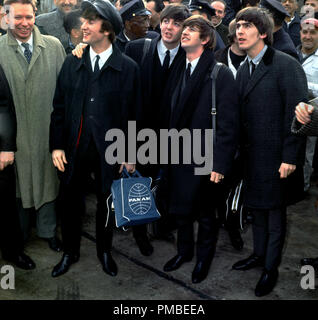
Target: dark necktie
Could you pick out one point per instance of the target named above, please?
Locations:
(96, 67)
(27, 52)
(166, 61)
(253, 66)
(188, 72)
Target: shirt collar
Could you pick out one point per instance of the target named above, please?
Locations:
(193, 63)
(259, 57)
(104, 56)
(30, 42)
(162, 51)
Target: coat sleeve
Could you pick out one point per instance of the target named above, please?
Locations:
(57, 139)
(227, 122)
(8, 126)
(309, 129)
(293, 86)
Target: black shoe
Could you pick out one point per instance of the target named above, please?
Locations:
(266, 283)
(200, 271)
(236, 239)
(65, 263)
(249, 263)
(175, 263)
(144, 246)
(309, 261)
(21, 261)
(55, 243)
(108, 264)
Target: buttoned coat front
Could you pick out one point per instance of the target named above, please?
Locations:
(32, 86)
(118, 101)
(268, 101)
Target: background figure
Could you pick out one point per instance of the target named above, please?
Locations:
(292, 23)
(31, 63)
(217, 20)
(52, 23)
(72, 25)
(11, 236)
(308, 55)
(155, 7)
(136, 23)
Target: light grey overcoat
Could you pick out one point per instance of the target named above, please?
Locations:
(32, 86)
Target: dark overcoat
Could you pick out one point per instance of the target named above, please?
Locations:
(283, 42)
(268, 101)
(119, 100)
(293, 29)
(192, 110)
(134, 49)
(121, 40)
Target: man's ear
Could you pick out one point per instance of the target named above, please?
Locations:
(205, 41)
(263, 36)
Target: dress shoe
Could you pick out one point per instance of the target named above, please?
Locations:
(65, 263)
(55, 243)
(108, 263)
(144, 246)
(249, 263)
(266, 283)
(175, 263)
(200, 271)
(21, 261)
(236, 239)
(309, 261)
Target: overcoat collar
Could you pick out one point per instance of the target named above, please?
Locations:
(262, 68)
(38, 43)
(114, 61)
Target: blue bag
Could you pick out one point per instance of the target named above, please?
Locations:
(133, 201)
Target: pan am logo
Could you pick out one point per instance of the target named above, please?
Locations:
(139, 199)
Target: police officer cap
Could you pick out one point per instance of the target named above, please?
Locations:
(107, 11)
(132, 9)
(274, 5)
(201, 5)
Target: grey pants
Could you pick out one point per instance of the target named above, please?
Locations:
(45, 220)
(310, 151)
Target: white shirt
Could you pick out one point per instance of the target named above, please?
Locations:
(193, 64)
(161, 49)
(30, 42)
(103, 56)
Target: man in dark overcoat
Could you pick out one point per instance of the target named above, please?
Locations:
(271, 83)
(188, 105)
(156, 62)
(94, 94)
(11, 236)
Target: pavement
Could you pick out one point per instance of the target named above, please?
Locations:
(142, 278)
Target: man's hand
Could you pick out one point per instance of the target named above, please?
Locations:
(286, 169)
(79, 49)
(216, 177)
(130, 167)
(58, 157)
(303, 112)
(6, 159)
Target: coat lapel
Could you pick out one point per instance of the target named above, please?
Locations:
(183, 107)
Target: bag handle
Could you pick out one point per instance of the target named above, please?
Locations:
(126, 174)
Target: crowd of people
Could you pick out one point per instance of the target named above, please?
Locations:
(160, 64)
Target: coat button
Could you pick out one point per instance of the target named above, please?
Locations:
(92, 99)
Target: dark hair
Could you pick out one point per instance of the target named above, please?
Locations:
(205, 27)
(252, 3)
(123, 2)
(31, 2)
(232, 31)
(261, 19)
(159, 6)
(92, 14)
(175, 11)
(278, 17)
(72, 20)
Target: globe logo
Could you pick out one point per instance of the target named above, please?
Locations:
(139, 199)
